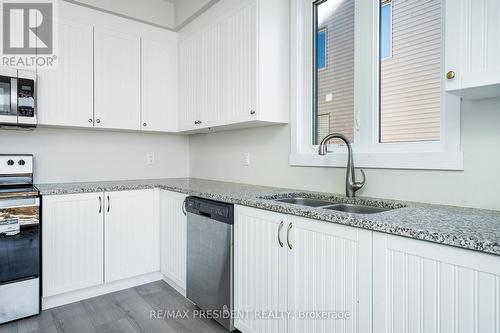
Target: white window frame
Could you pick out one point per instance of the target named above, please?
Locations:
(368, 152)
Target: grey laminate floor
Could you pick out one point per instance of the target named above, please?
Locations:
(126, 311)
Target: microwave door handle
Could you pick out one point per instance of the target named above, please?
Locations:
(13, 96)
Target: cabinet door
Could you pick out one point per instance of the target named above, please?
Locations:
(159, 85)
(72, 242)
(212, 75)
(239, 52)
(117, 61)
(173, 224)
(132, 242)
(476, 58)
(425, 287)
(190, 83)
(66, 91)
(260, 270)
(218, 55)
(329, 274)
(201, 72)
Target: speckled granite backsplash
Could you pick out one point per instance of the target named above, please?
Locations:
(473, 229)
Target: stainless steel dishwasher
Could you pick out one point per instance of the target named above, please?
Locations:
(210, 257)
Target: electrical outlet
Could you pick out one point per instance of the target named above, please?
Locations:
(150, 158)
(246, 159)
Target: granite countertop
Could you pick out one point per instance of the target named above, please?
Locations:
(468, 228)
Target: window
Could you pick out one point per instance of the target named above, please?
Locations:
(334, 69)
(386, 30)
(410, 81)
(381, 85)
(321, 50)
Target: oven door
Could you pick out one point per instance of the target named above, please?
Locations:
(8, 100)
(19, 239)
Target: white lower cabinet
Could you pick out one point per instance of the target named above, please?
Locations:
(72, 242)
(131, 234)
(298, 269)
(329, 277)
(291, 274)
(260, 270)
(425, 287)
(173, 228)
(95, 238)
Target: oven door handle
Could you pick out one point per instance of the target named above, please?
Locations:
(20, 202)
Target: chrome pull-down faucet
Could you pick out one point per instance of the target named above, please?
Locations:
(351, 186)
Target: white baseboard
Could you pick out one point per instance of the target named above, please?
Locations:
(174, 285)
(78, 295)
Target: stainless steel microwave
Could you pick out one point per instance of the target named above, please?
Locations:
(17, 98)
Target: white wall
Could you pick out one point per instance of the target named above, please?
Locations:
(154, 11)
(184, 9)
(70, 155)
(220, 156)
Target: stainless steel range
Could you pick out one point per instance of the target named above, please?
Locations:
(19, 239)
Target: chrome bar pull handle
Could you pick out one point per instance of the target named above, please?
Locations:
(184, 207)
(109, 204)
(100, 204)
(288, 236)
(279, 233)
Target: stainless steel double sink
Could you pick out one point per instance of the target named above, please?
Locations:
(338, 206)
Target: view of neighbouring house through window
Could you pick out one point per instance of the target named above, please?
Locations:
(410, 69)
(334, 68)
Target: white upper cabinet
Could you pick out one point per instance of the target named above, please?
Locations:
(473, 48)
(117, 70)
(110, 73)
(66, 92)
(159, 84)
(234, 65)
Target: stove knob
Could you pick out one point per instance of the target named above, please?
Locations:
(10, 162)
(21, 162)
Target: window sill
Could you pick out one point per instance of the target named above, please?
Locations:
(415, 161)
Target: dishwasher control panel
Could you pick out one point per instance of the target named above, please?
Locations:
(216, 210)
